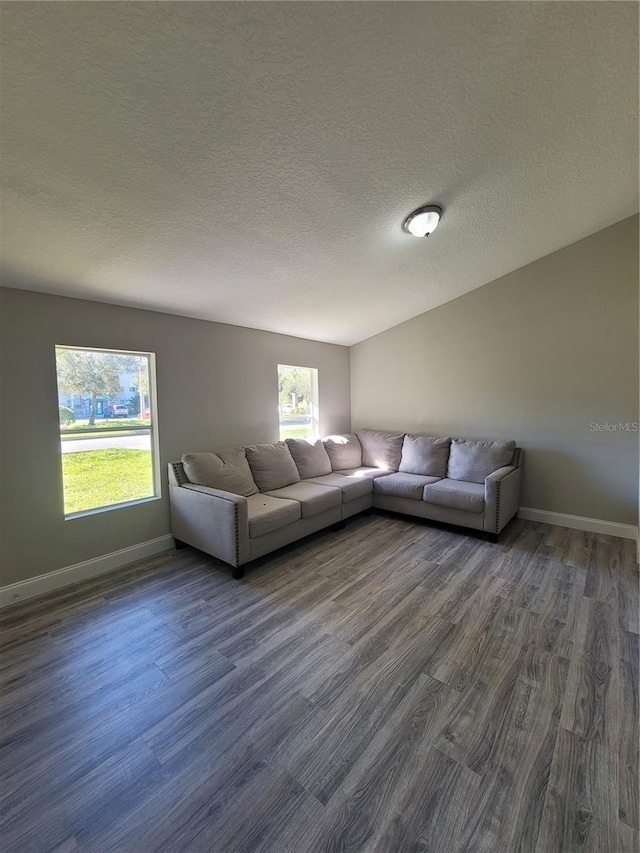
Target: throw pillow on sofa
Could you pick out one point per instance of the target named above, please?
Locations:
(381, 449)
(272, 466)
(473, 461)
(227, 470)
(311, 458)
(425, 456)
(344, 451)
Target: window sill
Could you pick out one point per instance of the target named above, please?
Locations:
(102, 509)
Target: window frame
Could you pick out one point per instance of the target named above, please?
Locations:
(314, 403)
(152, 429)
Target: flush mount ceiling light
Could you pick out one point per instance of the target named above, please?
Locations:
(423, 221)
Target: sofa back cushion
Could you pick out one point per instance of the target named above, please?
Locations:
(381, 449)
(227, 470)
(474, 460)
(426, 456)
(344, 451)
(272, 466)
(311, 458)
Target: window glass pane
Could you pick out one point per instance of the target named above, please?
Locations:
(298, 401)
(106, 427)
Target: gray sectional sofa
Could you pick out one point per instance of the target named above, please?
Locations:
(242, 503)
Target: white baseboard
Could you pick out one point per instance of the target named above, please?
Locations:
(579, 522)
(32, 587)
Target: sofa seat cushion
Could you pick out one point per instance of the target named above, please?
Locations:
(402, 485)
(344, 451)
(381, 449)
(313, 499)
(456, 494)
(227, 470)
(267, 514)
(366, 473)
(424, 455)
(473, 461)
(272, 465)
(311, 458)
(352, 487)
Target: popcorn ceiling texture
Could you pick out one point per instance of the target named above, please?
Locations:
(251, 163)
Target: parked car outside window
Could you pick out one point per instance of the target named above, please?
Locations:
(117, 410)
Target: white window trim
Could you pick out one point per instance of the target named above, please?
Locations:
(314, 402)
(153, 430)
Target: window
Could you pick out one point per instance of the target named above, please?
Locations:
(108, 436)
(298, 402)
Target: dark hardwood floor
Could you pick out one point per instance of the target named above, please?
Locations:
(391, 687)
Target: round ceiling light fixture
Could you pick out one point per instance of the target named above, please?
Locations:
(423, 221)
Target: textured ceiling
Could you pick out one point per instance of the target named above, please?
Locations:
(252, 162)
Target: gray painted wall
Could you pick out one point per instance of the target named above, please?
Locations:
(538, 356)
(217, 387)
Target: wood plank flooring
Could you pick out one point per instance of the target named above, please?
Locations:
(392, 687)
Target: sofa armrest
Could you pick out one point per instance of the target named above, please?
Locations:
(212, 520)
(501, 497)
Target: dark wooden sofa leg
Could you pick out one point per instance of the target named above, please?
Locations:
(493, 537)
(180, 544)
(238, 573)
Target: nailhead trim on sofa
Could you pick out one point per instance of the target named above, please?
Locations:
(178, 470)
(498, 486)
